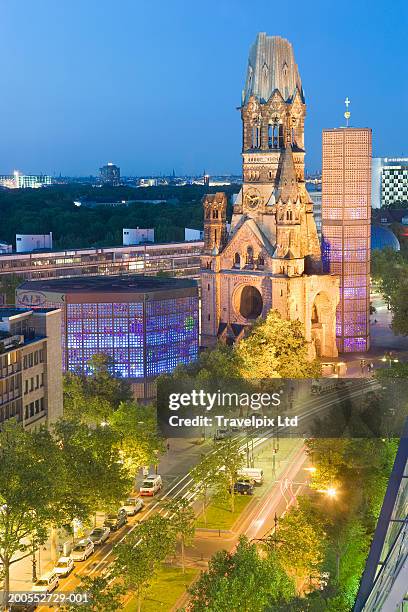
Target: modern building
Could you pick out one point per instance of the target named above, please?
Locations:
(193, 234)
(384, 584)
(174, 258)
(346, 225)
(315, 193)
(5, 247)
(110, 174)
(24, 181)
(30, 365)
(270, 257)
(383, 238)
(26, 243)
(148, 182)
(389, 181)
(146, 325)
(137, 236)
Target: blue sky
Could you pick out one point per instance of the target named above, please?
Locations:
(154, 85)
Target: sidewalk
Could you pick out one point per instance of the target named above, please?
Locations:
(176, 461)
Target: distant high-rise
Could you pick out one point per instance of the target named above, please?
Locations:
(389, 181)
(24, 181)
(110, 174)
(346, 225)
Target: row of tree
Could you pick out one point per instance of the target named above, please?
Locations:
(86, 462)
(314, 558)
(39, 211)
(390, 271)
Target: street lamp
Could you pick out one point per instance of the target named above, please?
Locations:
(311, 469)
(330, 492)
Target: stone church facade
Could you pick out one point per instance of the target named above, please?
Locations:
(270, 257)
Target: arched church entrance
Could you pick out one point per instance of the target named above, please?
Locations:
(249, 302)
(322, 325)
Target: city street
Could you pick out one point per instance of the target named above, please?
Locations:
(279, 492)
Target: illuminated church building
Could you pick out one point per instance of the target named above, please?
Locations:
(270, 257)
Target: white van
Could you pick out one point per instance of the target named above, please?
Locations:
(255, 474)
(47, 583)
(151, 485)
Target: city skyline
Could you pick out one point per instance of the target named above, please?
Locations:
(167, 74)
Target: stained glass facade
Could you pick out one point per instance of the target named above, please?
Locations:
(147, 326)
(144, 339)
(346, 227)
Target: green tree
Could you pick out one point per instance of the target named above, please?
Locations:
(229, 459)
(137, 439)
(140, 554)
(275, 348)
(299, 544)
(103, 384)
(240, 581)
(205, 475)
(135, 565)
(182, 518)
(94, 477)
(80, 402)
(31, 489)
(100, 595)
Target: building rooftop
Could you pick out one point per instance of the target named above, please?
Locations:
(383, 237)
(271, 66)
(6, 313)
(109, 284)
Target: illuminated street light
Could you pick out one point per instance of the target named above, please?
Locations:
(311, 469)
(330, 492)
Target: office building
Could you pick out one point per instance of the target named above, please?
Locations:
(30, 365)
(384, 584)
(146, 325)
(346, 225)
(148, 182)
(193, 234)
(389, 181)
(270, 257)
(26, 243)
(5, 247)
(110, 174)
(176, 259)
(137, 236)
(24, 181)
(315, 193)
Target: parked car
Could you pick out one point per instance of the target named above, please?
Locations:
(64, 566)
(116, 521)
(151, 485)
(99, 535)
(133, 505)
(244, 488)
(221, 434)
(82, 550)
(47, 583)
(255, 474)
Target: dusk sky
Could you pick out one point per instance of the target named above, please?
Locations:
(154, 85)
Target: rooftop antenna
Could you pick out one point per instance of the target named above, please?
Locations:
(347, 114)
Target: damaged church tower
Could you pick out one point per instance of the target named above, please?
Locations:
(271, 258)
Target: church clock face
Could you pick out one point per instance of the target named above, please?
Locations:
(253, 198)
